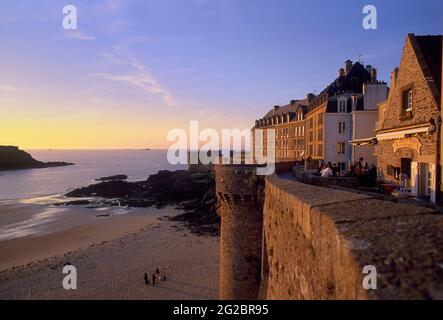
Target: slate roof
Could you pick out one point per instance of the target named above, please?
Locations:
(291, 108)
(429, 56)
(351, 82)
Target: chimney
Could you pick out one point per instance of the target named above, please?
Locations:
(394, 75)
(276, 108)
(310, 97)
(341, 72)
(348, 66)
(369, 68)
(373, 75)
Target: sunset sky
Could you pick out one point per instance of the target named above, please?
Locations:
(136, 69)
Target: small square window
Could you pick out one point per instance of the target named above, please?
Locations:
(407, 100)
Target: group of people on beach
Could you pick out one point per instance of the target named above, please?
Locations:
(155, 277)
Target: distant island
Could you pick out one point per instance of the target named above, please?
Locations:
(12, 158)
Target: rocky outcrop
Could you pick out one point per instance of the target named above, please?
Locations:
(193, 193)
(113, 178)
(12, 158)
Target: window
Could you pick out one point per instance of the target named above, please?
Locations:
(319, 150)
(407, 100)
(341, 105)
(341, 148)
(320, 119)
(341, 127)
(320, 135)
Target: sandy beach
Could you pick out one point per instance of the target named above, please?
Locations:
(111, 254)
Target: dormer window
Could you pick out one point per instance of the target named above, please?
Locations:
(407, 100)
(341, 105)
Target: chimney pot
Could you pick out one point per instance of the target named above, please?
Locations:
(373, 75)
(394, 75)
(348, 66)
(310, 97)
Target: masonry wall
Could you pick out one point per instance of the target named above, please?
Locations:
(425, 108)
(424, 105)
(237, 189)
(316, 242)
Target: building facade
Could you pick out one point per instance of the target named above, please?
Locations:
(408, 136)
(289, 124)
(344, 112)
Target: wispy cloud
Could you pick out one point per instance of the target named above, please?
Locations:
(111, 5)
(77, 35)
(138, 75)
(6, 88)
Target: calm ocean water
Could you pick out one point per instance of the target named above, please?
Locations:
(89, 165)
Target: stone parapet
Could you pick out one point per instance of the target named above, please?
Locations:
(317, 242)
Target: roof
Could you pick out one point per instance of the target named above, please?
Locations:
(351, 82)
(291, 108)
(429, 54)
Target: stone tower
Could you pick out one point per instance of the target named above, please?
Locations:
(239, 199)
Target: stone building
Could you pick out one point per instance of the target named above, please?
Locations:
(289, 125)
(344, 112)
(408, 134)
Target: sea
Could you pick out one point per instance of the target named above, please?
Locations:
(88, 166)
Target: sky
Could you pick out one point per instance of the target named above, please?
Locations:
(135, 69)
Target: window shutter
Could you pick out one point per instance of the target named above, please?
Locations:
(433, 185)
(414, 178)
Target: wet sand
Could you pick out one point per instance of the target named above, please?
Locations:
(111, 255)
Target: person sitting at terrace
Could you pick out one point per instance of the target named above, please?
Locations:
(320, 170)
(327, 172)
(335, 170)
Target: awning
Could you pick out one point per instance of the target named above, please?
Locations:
(364, 141)
(401, 134)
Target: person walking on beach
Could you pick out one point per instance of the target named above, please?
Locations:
(153, 279)
(146, 278)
